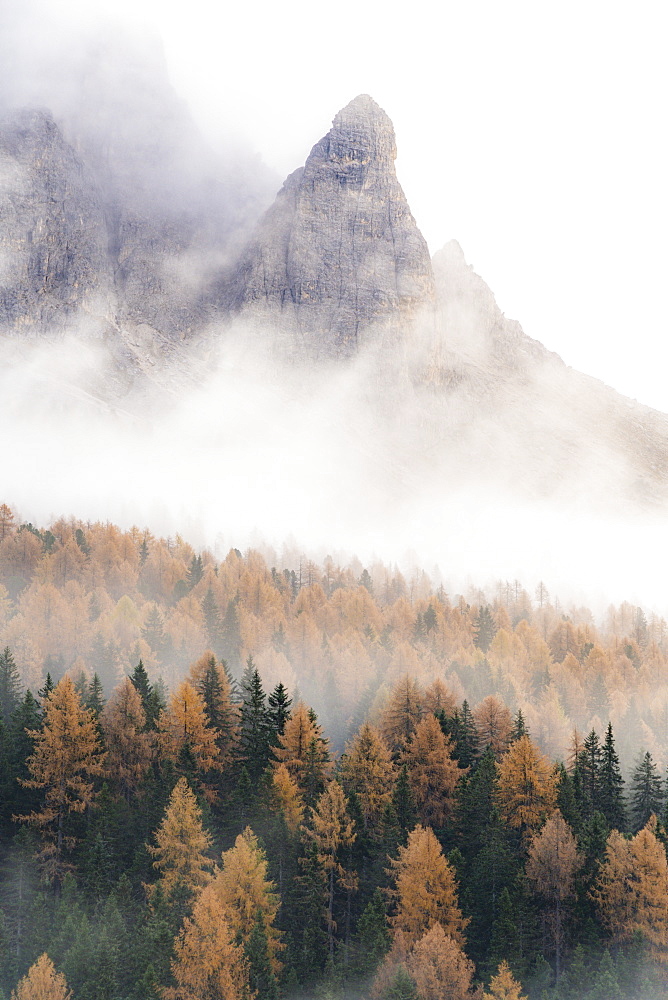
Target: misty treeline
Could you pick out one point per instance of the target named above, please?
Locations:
(187, 828)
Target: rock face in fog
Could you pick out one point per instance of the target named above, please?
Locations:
(339, 252)
(114, 214)
(54, 262)
(496, 406)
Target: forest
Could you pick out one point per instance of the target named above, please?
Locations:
(261, 777)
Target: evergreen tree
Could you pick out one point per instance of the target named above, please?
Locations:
(519, 728)
(213, 622)
(646, 792)
(611, 784)
(10, 685)
(195, 572)
(151, 700)
(589, 768)
(255, 726)
(279, 711)
(404, 804)
(261, 976)
(484, 628)
(94, 696)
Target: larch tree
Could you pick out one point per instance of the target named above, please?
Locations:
(181, 845)
(129, 744)
(244, 891)
(402, 713)
(425, 889)
(42, 982)
(287, 798)
(504, 986)
(494, 724)
(527, 786)
(212, 681)
(208, 964)
(367, 770)
(553, 863)
(439, 968)
(332, 830)
(433, 772)
(303, 749)
(631, 891)
(183, 729)
(66, 760)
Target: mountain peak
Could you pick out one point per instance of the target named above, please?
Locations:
(339, 252)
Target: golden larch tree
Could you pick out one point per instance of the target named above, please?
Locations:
(287, 799)
(184, 725)
(332, 831)
(552, 865)
(367, 770)
(527, 786)
(181, 844)
(42, 982)
(67, 759)
(402, 713)
(439, 967)
(208, 964)
(433, 772)
(504, 986)
(129, 746)
(631, 890)
(425, 889)
(493, 723)
(303, 749)
(211, 680)
(244, 891)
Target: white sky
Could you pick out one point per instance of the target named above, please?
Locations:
(534, 133)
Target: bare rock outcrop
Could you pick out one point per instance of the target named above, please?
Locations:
(339, 252)
(54, 262)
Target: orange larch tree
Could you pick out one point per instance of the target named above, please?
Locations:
(181, 845)
(66, 760)
(504, 986)
(332, 831)
(208, 964)
(42, 982)
(433, 772)
(439, 967)
(527, 786)
(425, 889)
(244, 891)
(129, 745)
(367, 770)
(553, 862)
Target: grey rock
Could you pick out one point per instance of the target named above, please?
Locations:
(339, 252)
(54, 262)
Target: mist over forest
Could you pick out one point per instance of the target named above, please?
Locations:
(332, 605)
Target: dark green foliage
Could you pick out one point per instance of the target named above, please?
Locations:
(152, 699)
(403, 802)
(402, 986)
(195, 572)
(567, 799)
(606, 983)
(611, 784)
(519, 728)
(373, 936)
(255, 726)
(589, 772)
(262, 978)
(10, 685)
(213, 622)
(646, 792)
(484, 628)
(279, 711)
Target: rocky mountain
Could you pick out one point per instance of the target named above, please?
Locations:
(339, 253)
(141, 239)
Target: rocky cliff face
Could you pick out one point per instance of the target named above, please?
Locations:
(339, 252)
(54, 262)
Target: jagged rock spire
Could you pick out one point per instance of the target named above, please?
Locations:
(339, 252)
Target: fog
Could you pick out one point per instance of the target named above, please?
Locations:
(255, 452)
(242, 448)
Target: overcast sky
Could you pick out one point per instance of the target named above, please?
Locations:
(533, 133)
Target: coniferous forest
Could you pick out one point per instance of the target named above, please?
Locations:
(267, 777)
